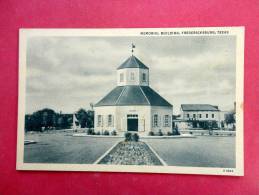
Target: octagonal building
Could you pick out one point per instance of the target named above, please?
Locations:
(133, 106)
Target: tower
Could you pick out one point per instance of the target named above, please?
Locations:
(132, 72)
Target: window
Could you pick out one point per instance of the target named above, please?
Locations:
(194, 115)
(199, 115)
(144, 79)
(121, 77)
(155, 120)
(166, 121)
(110, 121)
(99, 120)
(207, 115)
(212, 115)
(188, 115)
(132, 76)
(132, 116)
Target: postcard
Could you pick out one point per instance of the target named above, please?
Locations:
(144, 100)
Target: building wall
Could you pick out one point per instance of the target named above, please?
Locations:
(127, 78)
(145, 118)
(120, 118)
(203, 115)
(161, 111)
(104, 111)
(143, 113)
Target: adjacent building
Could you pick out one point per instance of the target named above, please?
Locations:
(200, 116)
(133, 106)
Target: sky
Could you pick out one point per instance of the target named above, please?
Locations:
(68, 73)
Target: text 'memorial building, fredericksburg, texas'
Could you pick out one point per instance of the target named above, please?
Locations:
(133, 106)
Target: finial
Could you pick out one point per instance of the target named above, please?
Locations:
(132, 48)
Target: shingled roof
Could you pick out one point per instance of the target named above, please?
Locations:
(133, 95)
(199, 107)
(132, 62)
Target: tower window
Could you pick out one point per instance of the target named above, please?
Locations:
(144, 78)
(132, 76)
(121, 77)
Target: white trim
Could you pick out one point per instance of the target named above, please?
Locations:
(105, 153)
(120, 95)
(159, 158)
(144, 95)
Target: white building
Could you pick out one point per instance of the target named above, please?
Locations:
(132, 105)
(200, 116)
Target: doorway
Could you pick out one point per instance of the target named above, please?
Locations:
(132, 122)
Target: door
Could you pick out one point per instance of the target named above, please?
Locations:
(132, 122)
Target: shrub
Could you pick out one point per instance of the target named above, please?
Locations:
(113, 132)
(90, 131)
(135, 137)
(190, 132)
(98, 133)
(151, 133)
(160, 132)
(176, 131)
(169, 133)
(106, 132)
(127, 136)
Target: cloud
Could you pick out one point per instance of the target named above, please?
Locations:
(66, 73)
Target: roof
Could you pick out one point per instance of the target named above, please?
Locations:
(132, 62)
(199, 107)
(133, 95)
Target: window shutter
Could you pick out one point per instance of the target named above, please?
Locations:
(159, 121)
(112, 121)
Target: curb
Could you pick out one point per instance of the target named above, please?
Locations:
(167, 137)
(105, 153)
(159, 158)
(85, 135)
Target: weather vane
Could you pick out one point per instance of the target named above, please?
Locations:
(132, 48)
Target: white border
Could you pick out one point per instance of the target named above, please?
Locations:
(238, 171)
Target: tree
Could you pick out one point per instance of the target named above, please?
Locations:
(90, 119)
(42, 118)
(82, 116)
(230, 118)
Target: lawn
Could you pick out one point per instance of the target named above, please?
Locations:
(202, 151)
(61, 148)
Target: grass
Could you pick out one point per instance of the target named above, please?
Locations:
(203, 151)
(59, 148)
